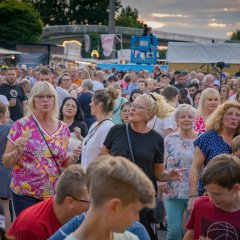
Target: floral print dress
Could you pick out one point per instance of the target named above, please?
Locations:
(36, 172)
(178, 153)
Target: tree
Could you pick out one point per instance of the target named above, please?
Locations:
(129, 18)
(54, 12)
(236, 35)
(95, 40)
(20, 23)
(62, 12)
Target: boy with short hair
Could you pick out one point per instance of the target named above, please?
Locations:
(217, 215)
(142, 85)
(236, 146)
(118, 191)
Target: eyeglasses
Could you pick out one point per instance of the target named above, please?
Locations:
(80, 200)
(138, 106)
(41, 97)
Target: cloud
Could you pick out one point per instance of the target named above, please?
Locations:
(220, 10)
(155, 24)
(165, 15)
(190, 16)
(217, 25)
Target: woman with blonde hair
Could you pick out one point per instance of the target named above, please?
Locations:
(37, 149)
(164, 121)
(141, 145)
(209, 101)
(221, 128)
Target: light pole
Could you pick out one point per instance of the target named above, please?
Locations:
(111, 24)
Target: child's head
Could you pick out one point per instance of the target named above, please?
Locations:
(120, 185)
(221, 179)
(236, 146)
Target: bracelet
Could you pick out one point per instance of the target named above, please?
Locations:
(192, 196)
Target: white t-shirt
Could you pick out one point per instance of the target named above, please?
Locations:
(116, 236)
(160, 125)
(62, 94)
(156, 124)
(169, 122)
(93, 142)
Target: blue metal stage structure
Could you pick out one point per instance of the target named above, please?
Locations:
(129, 67)
(144, 50)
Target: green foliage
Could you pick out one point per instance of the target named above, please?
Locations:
(162, 54)
(62, 12)
(236, 35)
(129, 18)
(89, 11)
(96, 44)
(19, 23)
(53, 12)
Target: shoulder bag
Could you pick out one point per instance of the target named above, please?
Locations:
(156, 214)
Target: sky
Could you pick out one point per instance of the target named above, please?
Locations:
(208, 18)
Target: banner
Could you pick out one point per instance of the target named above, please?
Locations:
(107, 44)
(87, 42)
(124, 55)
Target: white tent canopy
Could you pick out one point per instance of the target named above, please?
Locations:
(4, 51)
(182, 52)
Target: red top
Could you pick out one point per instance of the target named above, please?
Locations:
(209, 221)
(37, 222)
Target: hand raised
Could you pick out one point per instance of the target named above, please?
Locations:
(20, 144)
(77, 132)
(176, 174)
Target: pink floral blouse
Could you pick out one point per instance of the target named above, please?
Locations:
(200, 125)
(36, 173)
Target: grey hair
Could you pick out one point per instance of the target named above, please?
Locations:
(208, 76)
(88, 83)
(185, 108)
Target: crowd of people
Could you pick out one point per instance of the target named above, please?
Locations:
(87, 153)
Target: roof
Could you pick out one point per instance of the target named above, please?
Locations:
(182, 52)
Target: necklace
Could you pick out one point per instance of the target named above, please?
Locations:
(186, 142)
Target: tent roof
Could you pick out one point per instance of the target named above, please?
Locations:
(4, 51)
(182, 52)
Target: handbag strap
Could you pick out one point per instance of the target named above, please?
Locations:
(129, 143)
(58, 168)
